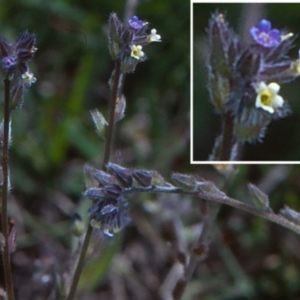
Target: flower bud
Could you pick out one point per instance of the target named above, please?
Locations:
(123, 175)
(143, 177)
(114, 31)
(290, 214)
(95, 193)
(113, 190)
(260, 199)
(94, 177)
(184, 181)
(99, 122)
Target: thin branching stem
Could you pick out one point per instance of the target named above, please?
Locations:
(115, 90)
(5, 159)
(202, 242)
(268, 215)
(195, 259)
(203, 239)
(221, 198)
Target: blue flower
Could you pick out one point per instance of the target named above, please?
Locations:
(8, 62)
(264, 35)
(135, 23)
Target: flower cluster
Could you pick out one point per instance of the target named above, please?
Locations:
(15, 58)
(244, 79)
(126, 42)
(109, 211)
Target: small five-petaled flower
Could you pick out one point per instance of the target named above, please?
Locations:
(267, 96)
(264, 35)
(136, 51)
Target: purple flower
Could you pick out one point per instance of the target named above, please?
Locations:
(8, 61)
(135, 23)
(264, 35)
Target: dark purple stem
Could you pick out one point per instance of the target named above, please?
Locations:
(5, 159)
(109, 140)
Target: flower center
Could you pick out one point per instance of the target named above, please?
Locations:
(135, 52)
(266, 98)
(265, 36)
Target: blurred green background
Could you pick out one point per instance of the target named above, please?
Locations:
(282, 140)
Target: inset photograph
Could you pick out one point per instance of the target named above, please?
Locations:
(245, 102)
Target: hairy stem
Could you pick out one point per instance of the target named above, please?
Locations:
(221, 198)
(115, 91)
(5, 157)
(278, 219)
(228, 139)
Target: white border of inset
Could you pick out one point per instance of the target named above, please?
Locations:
(208, 162)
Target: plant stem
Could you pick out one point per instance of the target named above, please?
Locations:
(220, 198)
(5, 157)
(111, 124)
(228, 139)
(115, 90)
(195, 259)
(203, 239)
(80, 263)
(271, 216)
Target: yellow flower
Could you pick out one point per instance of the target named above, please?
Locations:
(267, 96)
(136, 51)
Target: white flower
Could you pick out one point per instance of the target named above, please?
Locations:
(153, 37)
(267, 96)
(286, 36)
(28, 78)
(136, 51)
